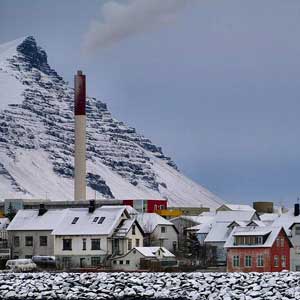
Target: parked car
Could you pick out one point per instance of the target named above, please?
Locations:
(20, 265)
(44, 261)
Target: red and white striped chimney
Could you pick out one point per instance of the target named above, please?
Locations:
(80, 137)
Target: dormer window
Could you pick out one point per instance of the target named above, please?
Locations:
(101, 220)
(95, 219)
(75, 220)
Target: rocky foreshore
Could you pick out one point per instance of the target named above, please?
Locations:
(192, 286)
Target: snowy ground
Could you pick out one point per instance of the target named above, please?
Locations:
(212, 286)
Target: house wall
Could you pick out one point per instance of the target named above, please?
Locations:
(27, 251)
(131, 262)
(138, 235)
(280, 251)
(295, 252)
(269, 257)
(253, 252)
(166, 239)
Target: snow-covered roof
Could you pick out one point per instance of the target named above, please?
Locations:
(239, 207)
(218, 233)
(153, 251)
(197, 219)
(268, 217)
(30, 220)
(270, 231)
(230, 216)
(78, 221)
(256, 223)
(149, 221)
(238, 223)
(204, 228)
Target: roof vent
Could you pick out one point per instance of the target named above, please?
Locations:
(42, 209)
(92, 206)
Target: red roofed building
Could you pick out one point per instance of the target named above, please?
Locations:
(258, 249)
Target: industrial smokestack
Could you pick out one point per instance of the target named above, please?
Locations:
(80, 137)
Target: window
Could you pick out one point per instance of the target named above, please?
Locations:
(283, 261)
(259, 240)
(28, 256)
(297, 268)
(133, 229)
(29, 241)
(83, 244)
(95, 219)
(121, 262)
(115, 262)
(129, 244)
(163, 229)
(75, 220)
(260, 261)
(162, 207)
(248, 261)
(101, 220)
(137, 242)
(236, 261)
(95, 244)
(67, 244)
(127, 262)
(95, 261)
(16, 241)
(276, 261)
(155, 207)
(297, 230)
(277, 242)
(282, 242)
(43, 241)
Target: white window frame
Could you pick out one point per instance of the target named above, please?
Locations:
(260, 261)
(276, 261)
(283, 261)
(236, 261)
(248, 258)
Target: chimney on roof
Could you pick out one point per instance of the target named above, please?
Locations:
(80, 137)
(92, 206)
(297, 209)
(42, 209)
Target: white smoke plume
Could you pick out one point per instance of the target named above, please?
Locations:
(120, 20)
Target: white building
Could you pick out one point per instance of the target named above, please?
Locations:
(132, 260)
(158, 231)
(77, 237)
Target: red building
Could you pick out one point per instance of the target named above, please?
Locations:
(258, 249)
(146, 205)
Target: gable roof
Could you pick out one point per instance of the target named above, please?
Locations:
(229, 216)
(218, 233)
(149, 221)
(270, 231)
(152, 251)
(88, 223)
(239, 207)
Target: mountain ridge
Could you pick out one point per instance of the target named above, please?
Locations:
(37, 138)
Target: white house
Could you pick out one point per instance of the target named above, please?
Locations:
(84, 238)
(158, 231)
(132, 260)
(78, 237)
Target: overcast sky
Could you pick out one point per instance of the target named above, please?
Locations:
(215, 83)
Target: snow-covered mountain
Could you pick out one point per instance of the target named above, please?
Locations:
(37, 141)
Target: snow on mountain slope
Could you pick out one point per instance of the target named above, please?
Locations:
(37, 141)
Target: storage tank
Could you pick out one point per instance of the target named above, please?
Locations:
(263, 207)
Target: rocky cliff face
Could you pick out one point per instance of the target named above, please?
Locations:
(37, 140)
